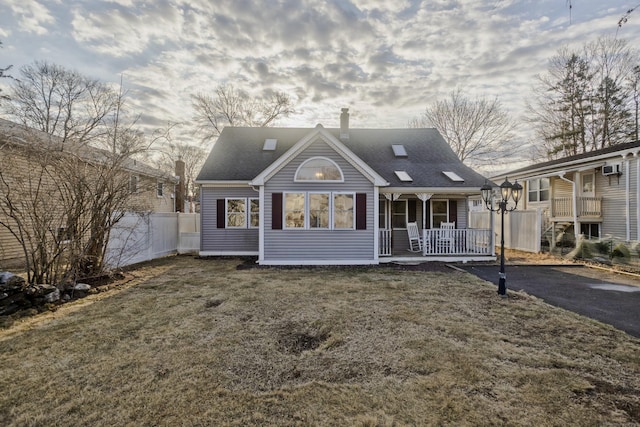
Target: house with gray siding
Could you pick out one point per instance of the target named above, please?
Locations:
(591, 195)
(325, 196)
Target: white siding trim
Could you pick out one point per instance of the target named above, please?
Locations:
(376, 214)
(321, 262)
(261, 226)
(230, 253)
(223, 184)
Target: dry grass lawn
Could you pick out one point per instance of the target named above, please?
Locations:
(197, 342)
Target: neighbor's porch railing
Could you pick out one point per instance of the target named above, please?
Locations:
(456, 242)
(562, 207)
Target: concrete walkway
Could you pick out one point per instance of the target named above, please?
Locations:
(605, 296)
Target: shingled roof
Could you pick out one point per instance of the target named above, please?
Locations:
(578, 159)
(19, 135)
(238, 155)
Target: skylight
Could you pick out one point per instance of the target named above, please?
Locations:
(399, 150)
(453, 176)
(403, 176)
(270, 144)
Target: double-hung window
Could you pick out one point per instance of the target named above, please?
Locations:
(294, 210)
(343, 211)
(318, 210)
(242, 213)
(538, 190)
(254, 213)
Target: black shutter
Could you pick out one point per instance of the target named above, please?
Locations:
(361, 211)
(276, 211)
(221, 213)
(453, 211)
(427, 215)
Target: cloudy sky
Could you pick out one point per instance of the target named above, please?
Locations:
(385, 60)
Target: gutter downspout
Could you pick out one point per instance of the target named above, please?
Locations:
(574, 204)
(637, 195)
(627, 207)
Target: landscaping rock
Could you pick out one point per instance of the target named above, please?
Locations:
(52, 296)
(11, 282)
(40, 290)
(82, 287)
(6, 310)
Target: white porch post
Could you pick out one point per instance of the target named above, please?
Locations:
(424, 197)
(261, 224)
(376, 223)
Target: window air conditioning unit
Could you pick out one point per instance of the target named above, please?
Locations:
(612, 169)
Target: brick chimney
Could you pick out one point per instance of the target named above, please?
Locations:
(344, 124)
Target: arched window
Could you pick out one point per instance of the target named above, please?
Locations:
(319, 169)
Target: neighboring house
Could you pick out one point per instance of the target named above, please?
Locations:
(596, 194)
(294, 196)
(154, 191)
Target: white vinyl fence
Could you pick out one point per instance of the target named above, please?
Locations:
(142, 237)
(522, 229)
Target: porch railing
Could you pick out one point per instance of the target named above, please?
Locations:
(562, 207)
(384, 243)
(444, 242)
(456, 242)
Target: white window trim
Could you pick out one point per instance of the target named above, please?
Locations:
(332, 209)
(249, 200)
(295, 177)
(158, 183)
(539, 180)
(308, 210)
(593, 186)
(307, 216)
(226, 213)
(305, 211)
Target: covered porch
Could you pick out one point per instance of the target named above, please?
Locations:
(442, 223)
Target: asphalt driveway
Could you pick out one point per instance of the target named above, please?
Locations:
(608, 297)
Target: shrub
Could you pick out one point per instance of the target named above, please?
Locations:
(620, 251)
(603, 246)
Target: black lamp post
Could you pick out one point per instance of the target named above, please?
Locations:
(507, 191)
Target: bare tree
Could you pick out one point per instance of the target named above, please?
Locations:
(60, 102)
(478, 130)
(3, 74)
(231, 107)
(63, 196)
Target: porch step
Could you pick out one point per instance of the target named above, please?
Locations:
(560, 231)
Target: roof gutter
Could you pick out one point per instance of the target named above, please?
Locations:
(586, 164)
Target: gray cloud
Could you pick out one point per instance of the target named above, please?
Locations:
(385, 60)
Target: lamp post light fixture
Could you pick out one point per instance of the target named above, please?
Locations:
(508, 192)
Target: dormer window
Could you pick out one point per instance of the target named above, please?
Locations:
(319, 169)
